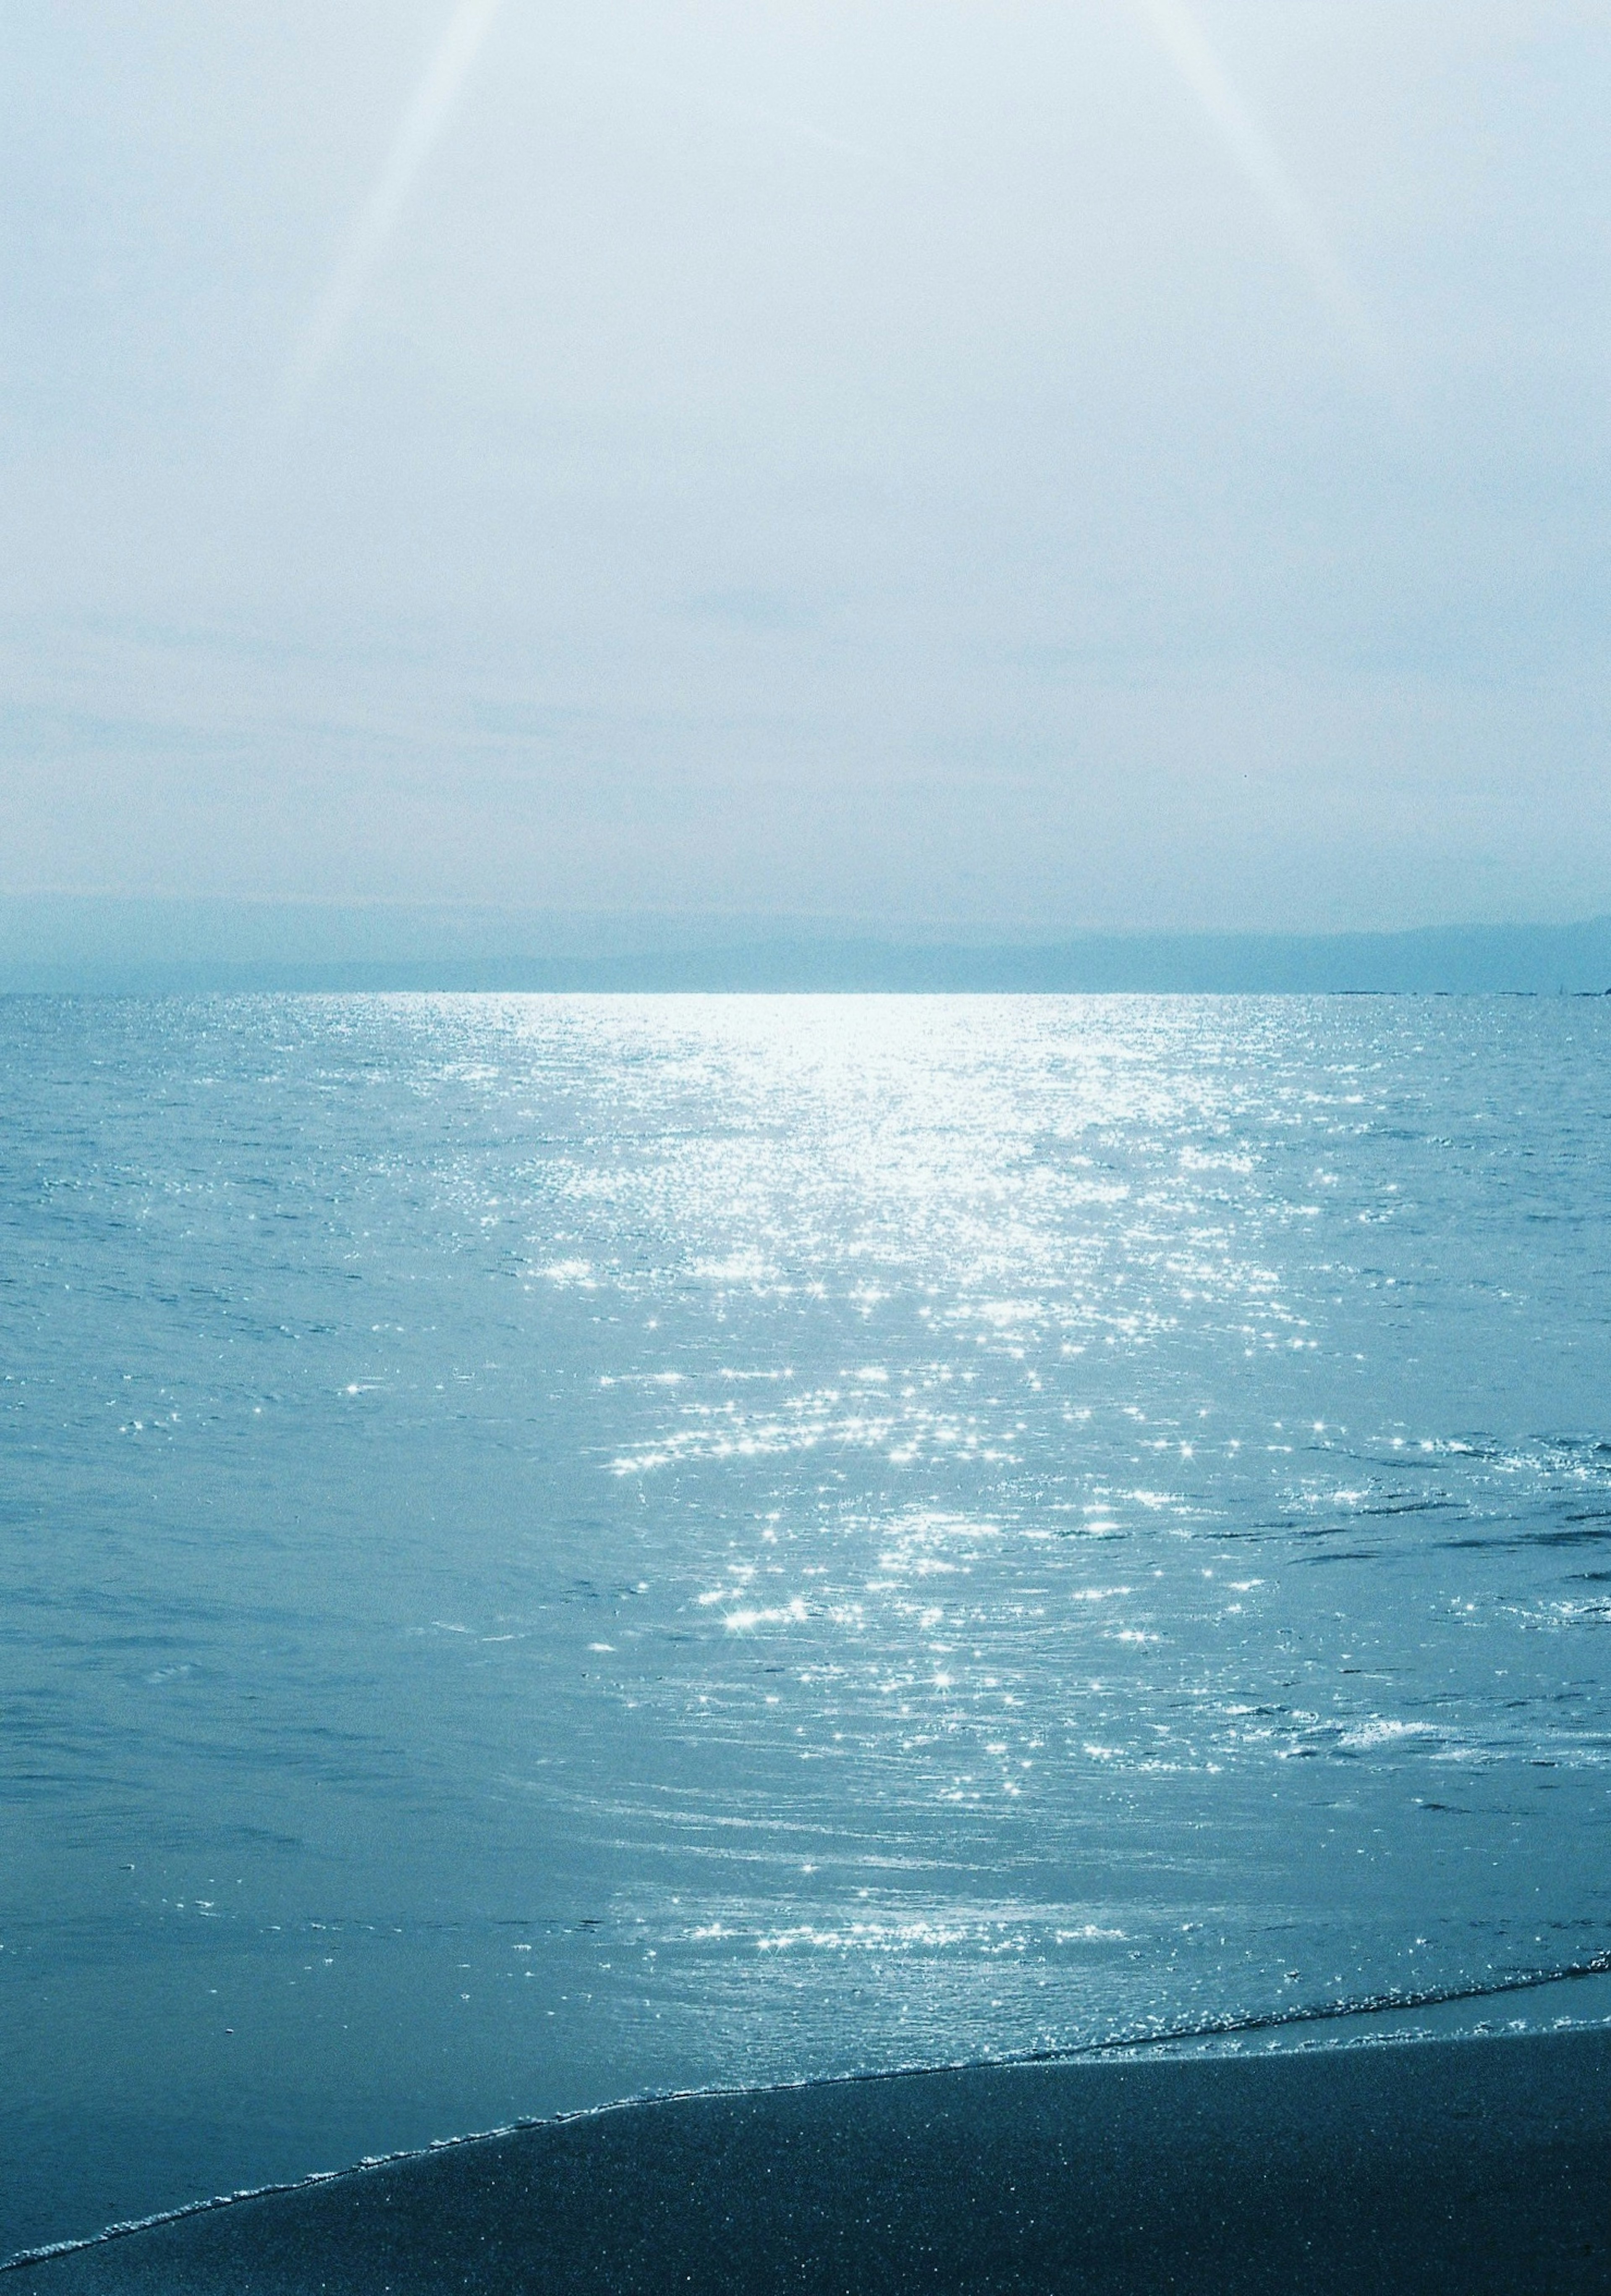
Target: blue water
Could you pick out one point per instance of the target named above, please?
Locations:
(553, 1547)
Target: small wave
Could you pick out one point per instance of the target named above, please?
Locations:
(1596, 1965)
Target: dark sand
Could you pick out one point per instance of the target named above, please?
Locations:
(1464, 2166)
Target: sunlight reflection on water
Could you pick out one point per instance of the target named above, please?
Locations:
(556, 1546)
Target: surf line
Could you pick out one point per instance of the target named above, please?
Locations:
(1370, 2005)
(1324, 2012)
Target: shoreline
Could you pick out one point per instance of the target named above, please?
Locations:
(1465, 2166)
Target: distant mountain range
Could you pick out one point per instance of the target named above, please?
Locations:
(154, 948)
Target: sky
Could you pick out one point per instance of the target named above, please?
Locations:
(1114, 464)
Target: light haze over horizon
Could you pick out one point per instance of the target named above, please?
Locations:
(1122, 465)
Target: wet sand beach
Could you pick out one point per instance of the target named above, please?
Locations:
(1462, 2166)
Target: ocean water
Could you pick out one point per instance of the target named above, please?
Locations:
(553, 1548)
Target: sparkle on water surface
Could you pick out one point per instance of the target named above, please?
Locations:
(556, 1548)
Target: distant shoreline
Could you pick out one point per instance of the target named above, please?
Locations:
(155, 948)
(317, 982)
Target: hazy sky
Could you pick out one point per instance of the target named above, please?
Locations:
(1110, 463)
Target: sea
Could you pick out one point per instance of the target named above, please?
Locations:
(562, 1548)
